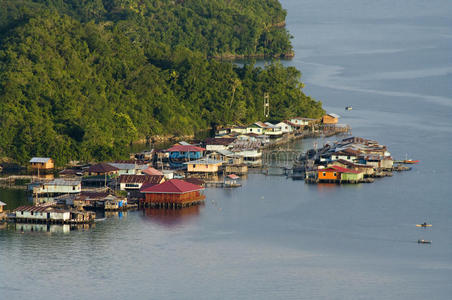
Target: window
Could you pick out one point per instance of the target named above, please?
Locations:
(324, 174)
(194, 166)
(73, 188)
(31, 213)
(348, 157)
(334, 173)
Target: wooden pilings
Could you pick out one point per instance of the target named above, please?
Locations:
(170, 205)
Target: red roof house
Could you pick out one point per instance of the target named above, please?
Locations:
(173, 193)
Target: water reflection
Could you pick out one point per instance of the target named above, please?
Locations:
(49, 228)
(115, 214)
(172, 217)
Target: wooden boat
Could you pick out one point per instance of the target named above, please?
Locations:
(424, 225)
(348, 107)
(424, 242)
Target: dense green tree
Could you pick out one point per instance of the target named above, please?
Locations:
(83, 79)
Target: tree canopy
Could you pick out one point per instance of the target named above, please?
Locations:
(81, 79)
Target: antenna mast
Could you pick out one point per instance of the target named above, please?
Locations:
(266, 105)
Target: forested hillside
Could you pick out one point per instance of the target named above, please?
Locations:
(83, 79)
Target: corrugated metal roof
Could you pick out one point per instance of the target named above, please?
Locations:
(124, 166)
(152, 171)
(219, 141)
(34, 208)
(185, 148)
(184, 143)
(63, 182)
(344, 170)
(101, 168)
(40, 160)
(140, 178)
(204, 161)
(334, 115)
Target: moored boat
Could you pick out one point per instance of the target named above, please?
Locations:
(410, 161)
(424, 242)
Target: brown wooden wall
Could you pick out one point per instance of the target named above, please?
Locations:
(173, 198)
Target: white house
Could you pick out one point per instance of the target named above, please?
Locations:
(217, 144)
(41, 213)
(302, 121)
(258, 128)
(285, 127)
(251, 157)
(57, 186)
(129, 168)
(272, 129)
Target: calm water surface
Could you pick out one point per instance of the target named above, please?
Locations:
(280, 239)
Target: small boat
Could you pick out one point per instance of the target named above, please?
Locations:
(348, 107)
(424, 242)
(410, 161)
(424, 225)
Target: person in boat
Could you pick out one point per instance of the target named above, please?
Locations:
(424, 224)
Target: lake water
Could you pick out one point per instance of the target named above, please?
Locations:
(276, 238)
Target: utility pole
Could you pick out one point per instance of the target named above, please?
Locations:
(266, 105)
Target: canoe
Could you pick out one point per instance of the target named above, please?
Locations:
(424, 242)
(423, 225)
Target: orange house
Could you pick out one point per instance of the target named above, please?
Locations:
(330, 119)
(42, 163)
(328, 174)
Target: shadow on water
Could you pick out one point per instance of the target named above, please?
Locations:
(172, 217)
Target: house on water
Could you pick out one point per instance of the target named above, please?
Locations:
(339, 175)
(216, 144)
(205, 165)
(135, 182)
(300, 122)
(178, 154)
(365, 169)
(129, 168)
(48, 214)
(174, 193)
(102, 169)
(330, 119)
(56, 187)
(42, 163)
